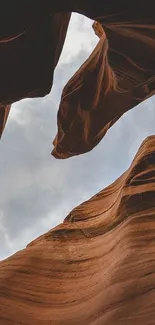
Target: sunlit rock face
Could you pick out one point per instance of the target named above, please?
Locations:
(95, 268)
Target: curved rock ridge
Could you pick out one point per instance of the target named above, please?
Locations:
(113, 80)
(118, 75)
(96, 268)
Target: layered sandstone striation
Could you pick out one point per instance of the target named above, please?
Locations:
(96, 268)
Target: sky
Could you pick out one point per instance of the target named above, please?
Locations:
(36, 190)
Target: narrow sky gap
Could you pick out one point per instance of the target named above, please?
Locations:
(37, 191)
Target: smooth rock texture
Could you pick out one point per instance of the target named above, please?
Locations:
(31, 41)
(119, 74)
(4, 112)
(98, 267)
(116, 77)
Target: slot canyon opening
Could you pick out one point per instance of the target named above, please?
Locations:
(37, 191)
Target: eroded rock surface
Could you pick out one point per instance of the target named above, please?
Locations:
(98, 267)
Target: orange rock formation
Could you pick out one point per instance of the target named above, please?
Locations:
(98, 267)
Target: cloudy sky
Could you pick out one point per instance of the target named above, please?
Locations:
(38, 191)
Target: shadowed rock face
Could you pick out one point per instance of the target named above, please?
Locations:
(118, 75)
(31, 41)
(96, 268)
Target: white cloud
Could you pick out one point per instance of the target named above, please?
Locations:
(80, 37)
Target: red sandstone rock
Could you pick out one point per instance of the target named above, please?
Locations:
(119, 74)
(98, 267)
(114, 79)
(4, 112)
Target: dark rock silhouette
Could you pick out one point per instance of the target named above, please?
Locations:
(97, 267)
(31, 41)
